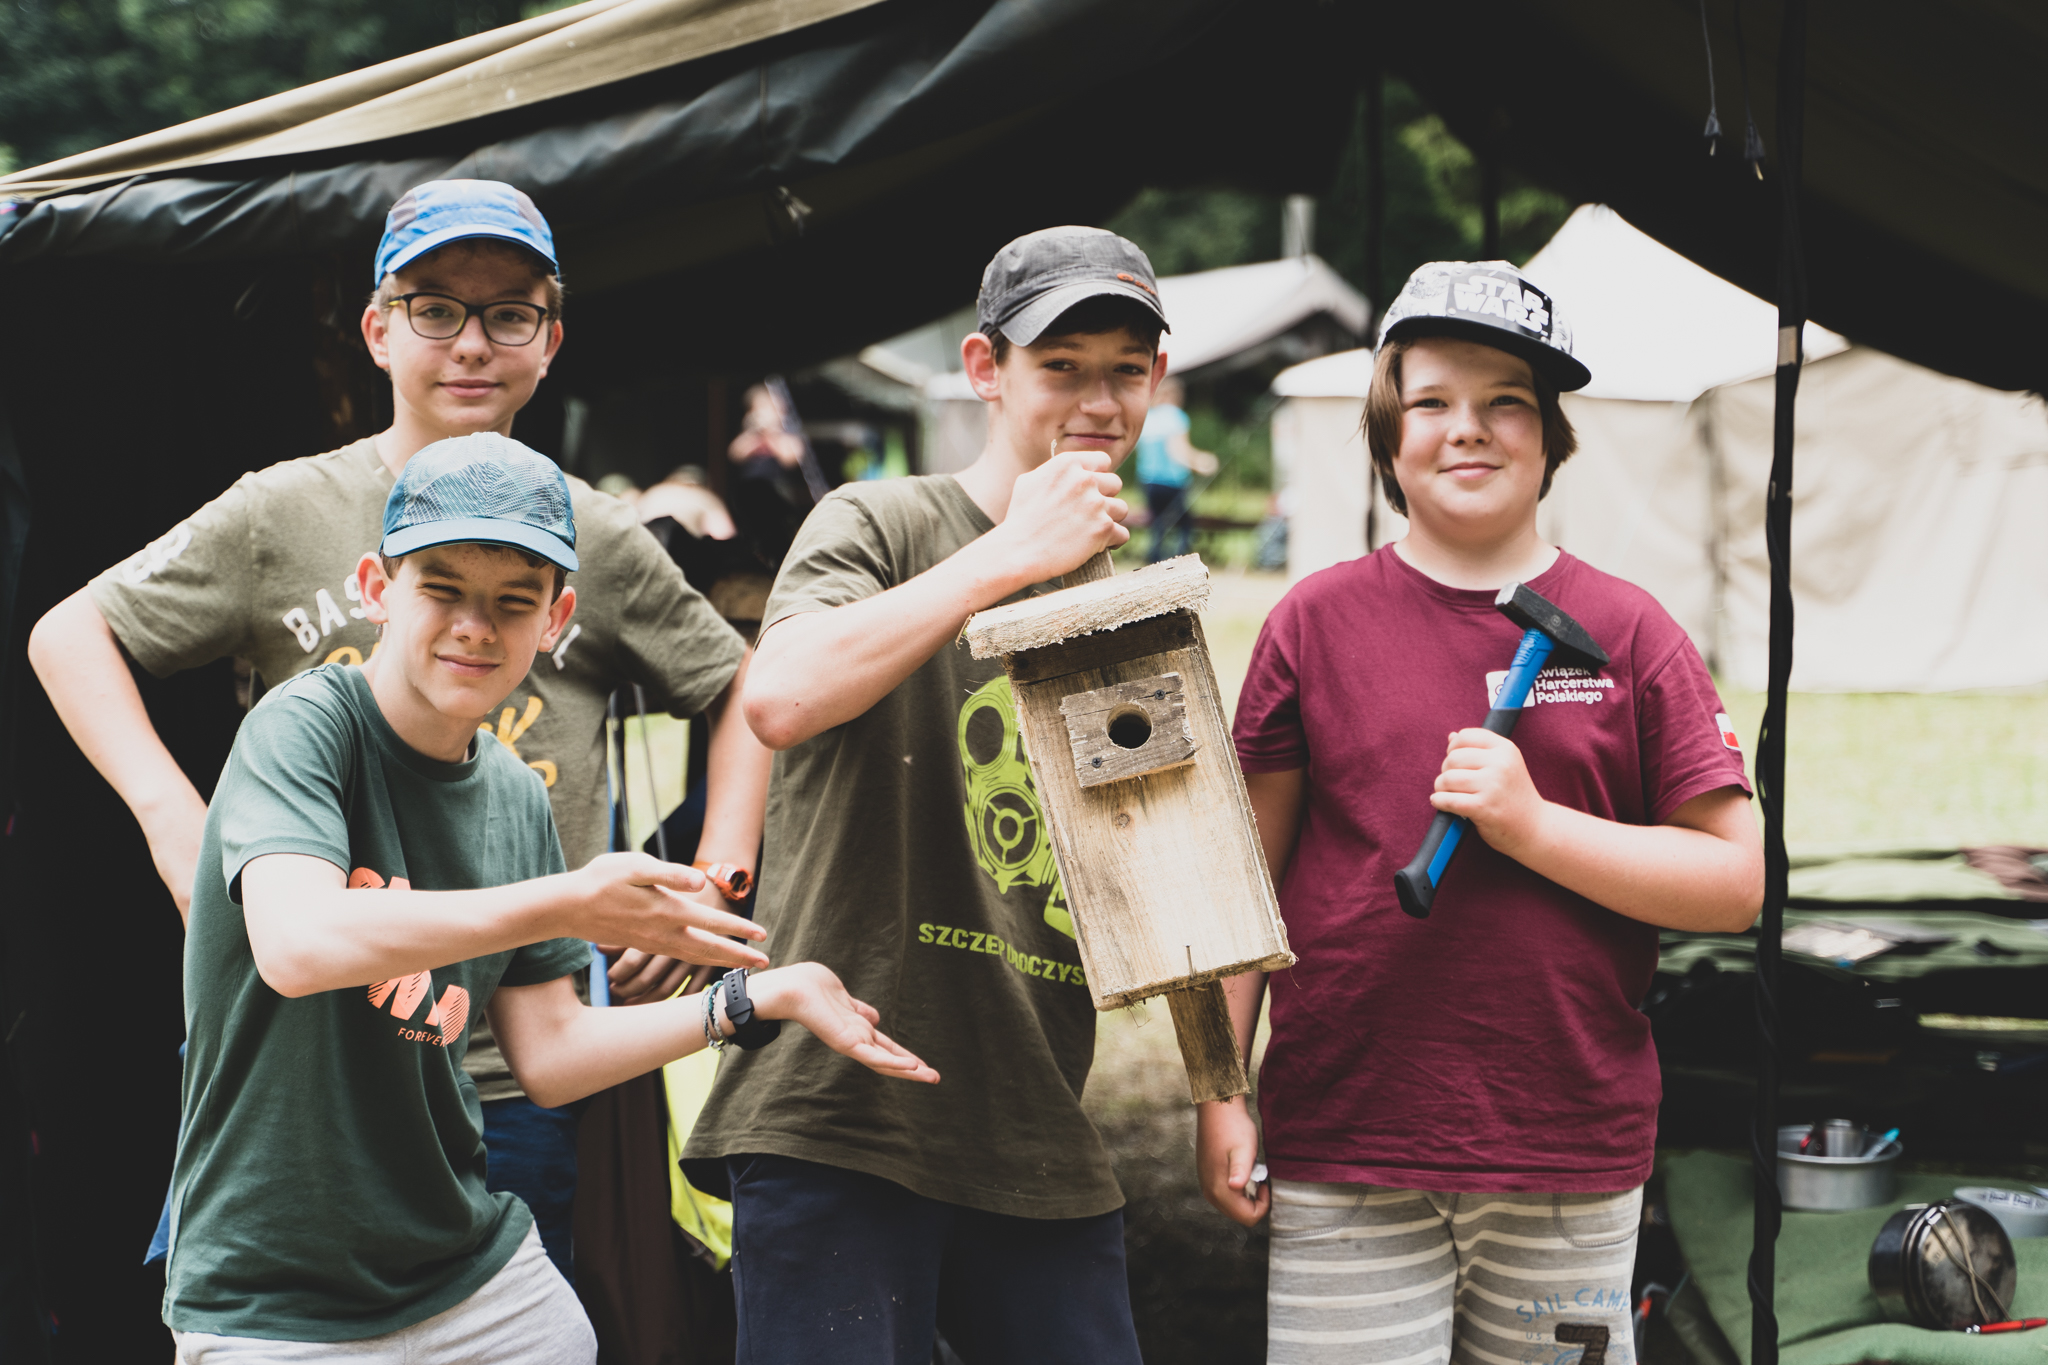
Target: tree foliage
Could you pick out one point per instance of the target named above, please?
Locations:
(1433, 209)
(78, 74)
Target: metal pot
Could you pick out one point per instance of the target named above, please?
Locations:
(1811, 1181)
(1944, 1266)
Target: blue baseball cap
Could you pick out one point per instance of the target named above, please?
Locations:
(430, 216)
(483, 489)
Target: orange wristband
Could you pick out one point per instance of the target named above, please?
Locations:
(733, 882)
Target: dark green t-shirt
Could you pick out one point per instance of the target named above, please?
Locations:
(906, 850)
(267, 571)
(330, 1174)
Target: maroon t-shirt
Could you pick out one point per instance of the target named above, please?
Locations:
(1496, 1045)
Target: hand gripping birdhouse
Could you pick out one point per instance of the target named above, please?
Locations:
(1151, 827)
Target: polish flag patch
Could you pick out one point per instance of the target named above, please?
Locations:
(1727, 729)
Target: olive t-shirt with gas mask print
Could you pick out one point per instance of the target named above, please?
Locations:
(267, 572)
(330, 1175)
(906, 850)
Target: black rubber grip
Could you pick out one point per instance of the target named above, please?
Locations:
(1502, 722)
(1412, 883)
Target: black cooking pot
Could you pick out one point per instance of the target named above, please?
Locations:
(1945, 1266)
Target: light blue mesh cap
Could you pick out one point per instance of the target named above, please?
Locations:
(484, 489)
(430, 216)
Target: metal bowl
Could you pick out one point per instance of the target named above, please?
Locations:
(2022, 1214)
(1944, 1266)
(1834, 1183)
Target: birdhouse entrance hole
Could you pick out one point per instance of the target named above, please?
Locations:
(1130, 728)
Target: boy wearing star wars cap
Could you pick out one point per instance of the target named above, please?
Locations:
(467, 319)
(907, 849)
(1472, 1097)
(373, 876)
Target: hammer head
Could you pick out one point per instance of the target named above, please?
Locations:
(1530, 610)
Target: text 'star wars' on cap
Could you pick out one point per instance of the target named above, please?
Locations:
(1492, 303)
(430, 216)
(1042, 274)
(483, 489)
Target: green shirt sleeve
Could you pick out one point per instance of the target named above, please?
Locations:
(285, 789)
(840, 556)
(668, 638)
(183, 600)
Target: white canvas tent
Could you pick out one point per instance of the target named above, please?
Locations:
(1920, 561)
(1218, 317)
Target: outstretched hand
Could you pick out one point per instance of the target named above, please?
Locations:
(639, 901)
(811, 994)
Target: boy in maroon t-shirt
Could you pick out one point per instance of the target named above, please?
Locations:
(1460, 1111)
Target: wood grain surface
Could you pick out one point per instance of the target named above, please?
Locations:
(1163, 873)
(1180, 584)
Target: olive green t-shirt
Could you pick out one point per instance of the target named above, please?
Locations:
(330, 1175)
(907, 851)
(267, 571)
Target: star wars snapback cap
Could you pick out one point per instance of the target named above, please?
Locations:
(1489, 302)
(1042, 274)
(484, 489)
(430, 216)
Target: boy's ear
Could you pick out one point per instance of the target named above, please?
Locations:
(371, 583)
(559, 612)
(1158, 372)
(376, 333)
(554, 343)
(978, 357)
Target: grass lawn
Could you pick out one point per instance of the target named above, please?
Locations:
(1899, 770)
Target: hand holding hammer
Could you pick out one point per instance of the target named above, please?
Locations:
(1548, 636)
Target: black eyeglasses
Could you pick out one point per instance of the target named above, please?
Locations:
(439, 317)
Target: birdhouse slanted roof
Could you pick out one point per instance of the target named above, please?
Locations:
(1179, 584)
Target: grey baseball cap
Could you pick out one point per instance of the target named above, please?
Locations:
(1494, 304)
(1042, 274)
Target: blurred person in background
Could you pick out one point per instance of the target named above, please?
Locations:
(1166, 462)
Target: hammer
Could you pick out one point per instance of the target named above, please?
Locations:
(1547, 633)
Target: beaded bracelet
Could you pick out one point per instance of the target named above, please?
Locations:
(713, 1038)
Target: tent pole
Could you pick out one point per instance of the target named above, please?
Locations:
(1375, 183)
(1770, 757)
(1375, 248)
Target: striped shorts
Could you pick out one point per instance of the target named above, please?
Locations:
(1366, 1275)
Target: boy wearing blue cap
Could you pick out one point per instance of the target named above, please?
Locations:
(374, 875)
(466, 318)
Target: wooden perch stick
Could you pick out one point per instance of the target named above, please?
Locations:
(1208, 1042)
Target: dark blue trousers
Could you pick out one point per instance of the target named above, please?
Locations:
(1172, 531)
(835, 1266)
(533, 1154)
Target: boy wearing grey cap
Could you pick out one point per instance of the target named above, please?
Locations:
(375, 874)
(907, 850)
(466, 318)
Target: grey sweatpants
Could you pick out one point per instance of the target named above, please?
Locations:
(526, 1314)
(1366, 1275)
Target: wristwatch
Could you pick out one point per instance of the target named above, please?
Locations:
(748, 1030)
(733, 882)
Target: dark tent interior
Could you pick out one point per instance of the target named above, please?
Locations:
(786, 200)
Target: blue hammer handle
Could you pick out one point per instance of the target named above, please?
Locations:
(1416, 883)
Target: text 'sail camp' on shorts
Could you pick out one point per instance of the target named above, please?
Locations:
(974, 941)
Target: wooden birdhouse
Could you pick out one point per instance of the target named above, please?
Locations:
(1151, 827)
